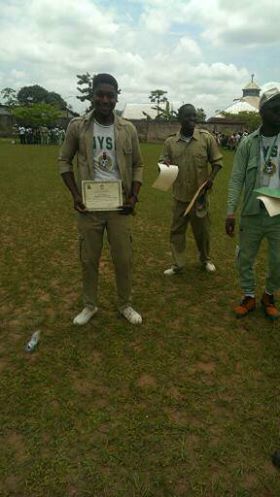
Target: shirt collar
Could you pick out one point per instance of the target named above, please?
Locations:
(195, 135)
(256, 133)
(117, 120)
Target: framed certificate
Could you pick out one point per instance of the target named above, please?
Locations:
(102, 195)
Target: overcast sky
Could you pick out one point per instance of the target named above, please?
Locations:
(200, 52)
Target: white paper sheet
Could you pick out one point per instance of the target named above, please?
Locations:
(271, 204)
(166, 178)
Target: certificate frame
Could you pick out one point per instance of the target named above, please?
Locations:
(102, 195)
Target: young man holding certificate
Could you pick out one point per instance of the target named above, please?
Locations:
(257, 164)
(110, 171)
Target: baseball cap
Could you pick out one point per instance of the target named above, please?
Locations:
(268, 95)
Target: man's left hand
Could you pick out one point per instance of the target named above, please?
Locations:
(128, 208)
(209, 184)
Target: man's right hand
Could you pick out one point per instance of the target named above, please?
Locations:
(166, 162)
(230, 225)
(78, 204)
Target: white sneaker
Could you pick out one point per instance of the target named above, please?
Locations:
(84, 316)
(172, 270)
(131, 315)
(210, 267)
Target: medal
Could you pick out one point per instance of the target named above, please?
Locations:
(269, 167)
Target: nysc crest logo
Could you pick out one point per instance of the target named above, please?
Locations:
(105, 162)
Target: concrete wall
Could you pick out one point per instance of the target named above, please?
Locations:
(6, 125)
(7, 121)
(152, 131)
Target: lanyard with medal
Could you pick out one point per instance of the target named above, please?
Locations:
(269, 167)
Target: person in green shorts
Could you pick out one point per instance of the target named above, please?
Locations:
(257, 164)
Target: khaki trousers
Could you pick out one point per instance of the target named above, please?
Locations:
(201, 231)
(91, 228)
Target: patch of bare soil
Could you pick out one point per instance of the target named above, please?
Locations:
(16, 442)
(146, 381)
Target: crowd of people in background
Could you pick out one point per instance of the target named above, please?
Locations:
(231, 141)
(40, 135)
(43, 135)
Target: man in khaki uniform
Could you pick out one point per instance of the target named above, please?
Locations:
(192, 150)
(107, 149)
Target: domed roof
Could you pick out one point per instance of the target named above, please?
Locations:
(252, 85)
(238, 106)
(251, 89)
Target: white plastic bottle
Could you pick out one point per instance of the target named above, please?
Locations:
(33, 342)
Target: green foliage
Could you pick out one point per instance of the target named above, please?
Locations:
(167, 114)
(36, 94)
(36, 115)
(9, 97)
(251, 120)
(55, 99)
(85, 87)
(32, 94)
(158, 97)
(201, 115)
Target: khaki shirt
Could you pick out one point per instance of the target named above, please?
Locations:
(193, 159)
(79, 140)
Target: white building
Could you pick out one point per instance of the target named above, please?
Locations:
(249, 102)
(144, 111)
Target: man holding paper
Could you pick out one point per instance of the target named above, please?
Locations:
(256, 169)
(192, 150)
(110, 171)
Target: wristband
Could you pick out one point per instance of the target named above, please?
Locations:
(134, 196)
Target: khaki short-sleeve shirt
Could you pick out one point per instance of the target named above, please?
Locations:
(193, 159)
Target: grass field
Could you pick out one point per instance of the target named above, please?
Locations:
(187, 405)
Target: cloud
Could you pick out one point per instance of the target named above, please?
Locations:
(187, 48)
(220, 21)
(190, 49)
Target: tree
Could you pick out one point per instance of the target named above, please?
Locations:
(147, 116)
(251, 120)
(168, 114)
(55, 99)
(36, 94)
(9, 97)
(158, 97)
(85, 87)
(36, 115)
(201, 115)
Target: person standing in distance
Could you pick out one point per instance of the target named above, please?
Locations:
(192, 150)
(257, 164)
(107, 149)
